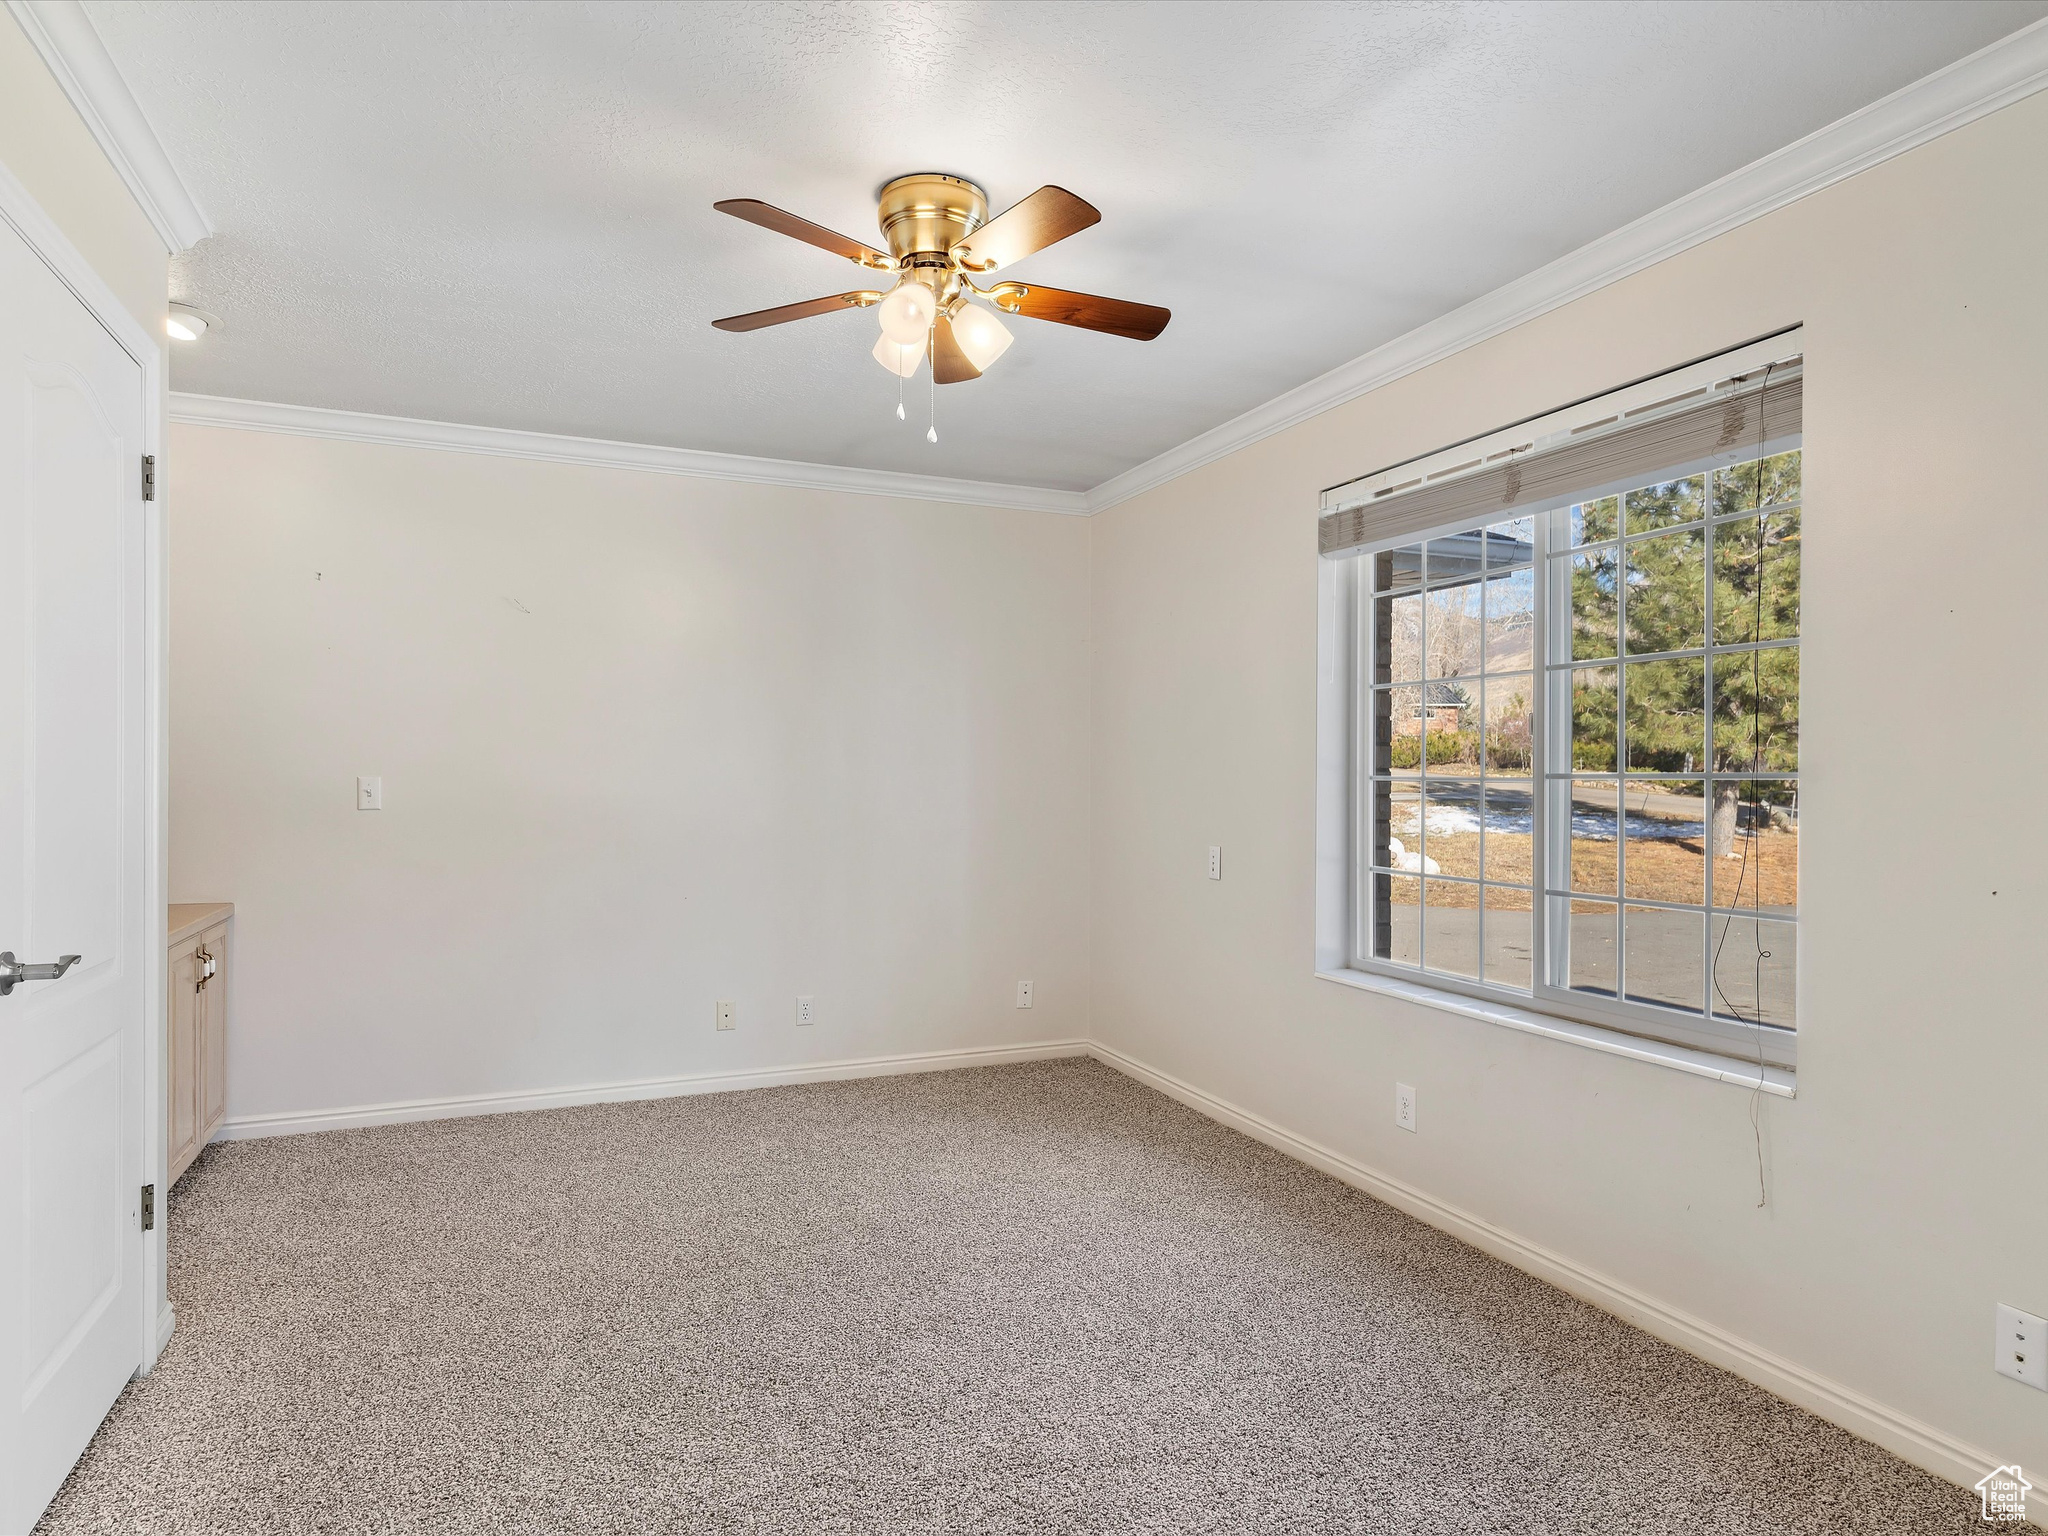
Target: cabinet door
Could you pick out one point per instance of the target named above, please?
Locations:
(213, 1035)
(181, 1109)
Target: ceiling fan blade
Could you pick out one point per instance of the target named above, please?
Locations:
(754, 211)
(1047, 215)
(949, 363)
(803, 311)
(1119, 317)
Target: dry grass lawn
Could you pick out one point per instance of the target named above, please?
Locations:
(1659, 869)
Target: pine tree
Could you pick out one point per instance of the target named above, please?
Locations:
(1754, 713)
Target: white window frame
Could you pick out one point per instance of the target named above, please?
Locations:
(1346, 745)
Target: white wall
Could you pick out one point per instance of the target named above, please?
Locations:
(50, 151)
(646, 742)
(1907, 1178)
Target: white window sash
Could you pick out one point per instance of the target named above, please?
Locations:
(1345, 904)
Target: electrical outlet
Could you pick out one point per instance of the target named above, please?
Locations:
(724, 1014)
(2022, 1347)
(1404, 1106)
(806, 1010)
(369, 793)
(1023, 994)
(1215, 863)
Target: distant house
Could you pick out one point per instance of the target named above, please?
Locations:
(1441, 708)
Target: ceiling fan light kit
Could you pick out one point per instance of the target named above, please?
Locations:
(940, 238)
(981, 336)
(899, 360)
(908, 312)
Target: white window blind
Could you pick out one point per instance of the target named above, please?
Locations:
(1709, 424)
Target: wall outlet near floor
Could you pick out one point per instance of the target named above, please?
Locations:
(1023, 994)
(806, 1009)
(1215, 863)
(369, 793)
(1404, 1106)
(725, 1012)
(2022, 1347)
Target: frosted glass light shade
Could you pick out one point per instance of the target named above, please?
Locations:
(981, 335)
(907, 313)
(185, 323)
(901, 361)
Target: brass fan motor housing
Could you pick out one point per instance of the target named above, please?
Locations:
(930, 213)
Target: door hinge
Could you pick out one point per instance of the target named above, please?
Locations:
(149, 1207)
(149, 477)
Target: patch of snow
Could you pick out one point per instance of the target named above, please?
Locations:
(1587, 825)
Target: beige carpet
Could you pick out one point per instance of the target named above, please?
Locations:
(1018, 1299)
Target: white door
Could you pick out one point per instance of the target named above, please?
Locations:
(74, 798)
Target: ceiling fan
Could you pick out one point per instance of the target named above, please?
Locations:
(940, 239)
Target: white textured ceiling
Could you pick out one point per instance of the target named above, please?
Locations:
(500, 214)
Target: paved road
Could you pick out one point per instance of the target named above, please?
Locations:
(1666, 955)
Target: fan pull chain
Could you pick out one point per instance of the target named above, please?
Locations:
(931, 433)
(899, 386)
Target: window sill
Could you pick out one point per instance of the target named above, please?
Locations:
(1775, 1080)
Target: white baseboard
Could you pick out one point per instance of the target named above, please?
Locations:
(1907, 1438)
(166, 1325)
(251, 1127)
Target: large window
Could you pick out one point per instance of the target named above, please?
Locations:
(1576, 752)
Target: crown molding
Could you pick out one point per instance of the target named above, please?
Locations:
(70, 45)
(504, 442)
(2010, 69)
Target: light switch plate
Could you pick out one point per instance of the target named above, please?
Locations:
(2022, 1347)
(369, 793)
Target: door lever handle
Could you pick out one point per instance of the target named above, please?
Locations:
(12, 970)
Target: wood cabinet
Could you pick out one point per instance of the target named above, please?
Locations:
(196, 1034)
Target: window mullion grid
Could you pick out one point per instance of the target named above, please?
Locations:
(1485, 661)
(1641, 777)
(1360, 643)
(1621, 552)
(1715, 519)
(1719, 519)
(1552, 768)
(1422, 775)
(1369, 736)
(1539, 759)
(1694, 653)
(1664, 906)
(1374, 650)
(1707, 782)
